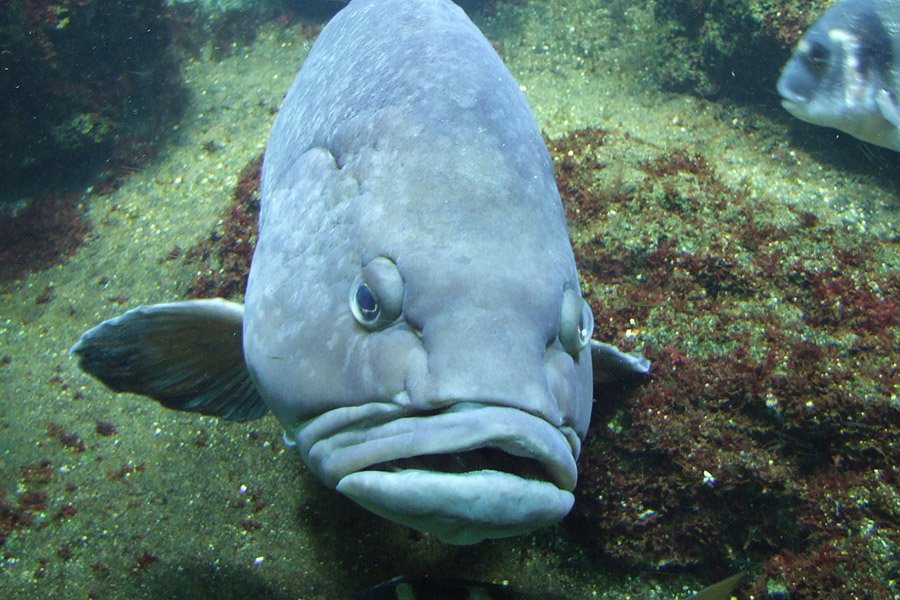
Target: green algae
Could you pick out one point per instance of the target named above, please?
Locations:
(177, 505)
(81, 79)
(726, 47)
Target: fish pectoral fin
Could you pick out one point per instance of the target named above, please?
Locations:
(888, 107)
(187, 355)
(719, 591)
(610, 363)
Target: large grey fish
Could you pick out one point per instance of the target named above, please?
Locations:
(845, 72)
(413, 315)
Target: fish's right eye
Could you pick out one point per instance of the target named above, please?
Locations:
(366, 303)
(817, 54)
(376, 295)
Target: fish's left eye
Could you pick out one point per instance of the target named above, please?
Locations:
(576, 323)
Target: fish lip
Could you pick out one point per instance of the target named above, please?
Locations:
(463, 508)
(789, 98)
(791, 105)
(403, 441)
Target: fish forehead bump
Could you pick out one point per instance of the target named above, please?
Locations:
(422, 59)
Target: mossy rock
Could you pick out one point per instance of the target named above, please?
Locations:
(733, 48)
(77, 76)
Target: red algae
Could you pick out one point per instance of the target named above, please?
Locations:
(764, 436)
(19, 512)
(45, 233)
(224, 255)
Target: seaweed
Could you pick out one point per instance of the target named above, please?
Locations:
(224, 256)
(765, 435)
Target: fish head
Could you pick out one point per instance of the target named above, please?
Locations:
(428, 352)
(840, 73)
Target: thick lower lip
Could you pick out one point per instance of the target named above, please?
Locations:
(789, 99)
(464, 439)
(462, 508)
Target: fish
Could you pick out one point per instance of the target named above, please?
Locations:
(413, 316)
(427, 588)
(845, 72)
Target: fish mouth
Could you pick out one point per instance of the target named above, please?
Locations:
(787, 93)
(794, 105)
(469, 472)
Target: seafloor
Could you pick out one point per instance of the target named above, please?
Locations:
(124, 499)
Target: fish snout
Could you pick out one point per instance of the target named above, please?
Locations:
(494, 367)
(788, 95)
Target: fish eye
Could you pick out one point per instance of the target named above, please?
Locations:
(366, 303)
(376, 296)
(817, 54)
(576, 323)
(585, 324)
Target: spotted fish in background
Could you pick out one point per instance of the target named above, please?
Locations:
(413, 316)
(845, 72)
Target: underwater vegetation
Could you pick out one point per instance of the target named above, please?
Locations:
(766, 434)
(223, 257)
(94, 86)
(728, 47)
(85, 80)
(41, 233)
